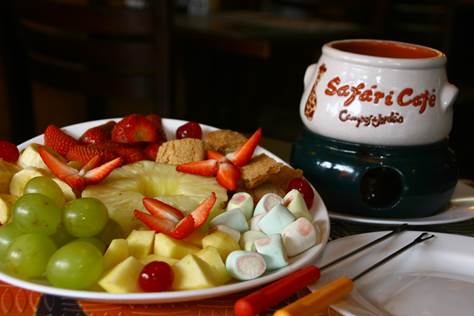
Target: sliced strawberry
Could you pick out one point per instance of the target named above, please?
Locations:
(228, 175)
(129, 154)
(98, 134)
(201, 213)
(180, 230)
(156, 119)
(135, 128)
(151, 150)
(91, 164)
(84, 153)
(205, 168)
(211, 154)
(97, 174)
(243, 155)
(8, 151)
(162, 210)
(56, 164)
(58, 140)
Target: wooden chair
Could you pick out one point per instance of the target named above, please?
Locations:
(97, 48)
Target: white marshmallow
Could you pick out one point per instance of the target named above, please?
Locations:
(299, 236)
(234, 219)
(245, 265)
(247, 241)
(294, 201)
(243, 201)
(272, 250)
(254, 222)
(234, 234)
(266, 203)
(276, 220)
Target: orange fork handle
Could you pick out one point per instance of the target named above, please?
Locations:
(319, 300)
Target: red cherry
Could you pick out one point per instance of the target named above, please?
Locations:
(305, 189)
(8, 151)
(189, 130)
(156, 276)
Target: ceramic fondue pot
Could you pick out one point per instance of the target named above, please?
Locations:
(377, 116)
(378, 92)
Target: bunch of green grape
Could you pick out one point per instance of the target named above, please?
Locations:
(48, 237)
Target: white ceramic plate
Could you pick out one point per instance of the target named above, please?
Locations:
(318, 210)
(432, 278)
(460, 209)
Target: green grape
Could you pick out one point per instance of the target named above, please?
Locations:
(47, 187)
(28, 255)
(111, 231)
(85, 217)
(99, 244)
(77, 265)
(8, 234)
(36, 213)
(61, 236)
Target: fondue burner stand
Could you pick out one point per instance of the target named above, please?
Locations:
(377, 181)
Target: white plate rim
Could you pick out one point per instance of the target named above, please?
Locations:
(460, 241)
(458, 212)
(306, 258)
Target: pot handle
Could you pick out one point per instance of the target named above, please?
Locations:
(310, 74)
(448, 95)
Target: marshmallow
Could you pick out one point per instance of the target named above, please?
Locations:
(254, 222)
(266, 203)
(276, 220)
(234, 219)
(271, 248)
(294, 201)
(299, 236)
(245, 265)
(243, 201)
(247, 241)
(234, 234)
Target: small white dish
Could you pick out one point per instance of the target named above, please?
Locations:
(434, 278)
(170, 125)
(460, 209)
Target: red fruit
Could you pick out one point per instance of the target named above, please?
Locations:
(85, 153)
(99, 173)
(162, 210)
(205, 168)
(134, 129)
(211, 154)
(58, 140)
(129, 154)
(228, 175)
(156, 119)
(243, 155)
(156, 276)
(201, 213)
(151, 150)
(304, 188)
(98, 134)
(189, 130)
(8, 151)
(178, 231)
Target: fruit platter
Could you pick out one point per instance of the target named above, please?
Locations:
(108, 211)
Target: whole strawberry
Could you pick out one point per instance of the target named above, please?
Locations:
(98, 134)
(135, 128)
(156, 119)
(8, 151)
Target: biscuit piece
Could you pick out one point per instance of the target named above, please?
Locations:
(284, 176)
(224, 141)
(179, 151)
(267, 187)
(258, 170)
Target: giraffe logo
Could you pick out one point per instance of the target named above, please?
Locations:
(311, 103)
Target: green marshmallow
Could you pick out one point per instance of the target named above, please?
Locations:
(296, 204)
(247, 241)
(276, 220)
(272, 250)
(234, 219)
(266, 203)
(243, 201)
(245, 265)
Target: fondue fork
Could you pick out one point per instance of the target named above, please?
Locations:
(279, 290)
(319, 301)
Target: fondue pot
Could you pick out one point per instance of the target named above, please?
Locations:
(377, 115)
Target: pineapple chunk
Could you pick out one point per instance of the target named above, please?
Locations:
(222, 242)
(211, 256)
(195, 238)
(151, 258)
(168, 247)
(123, 278)
(140, 243)
(191, 273)
(116, 253)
